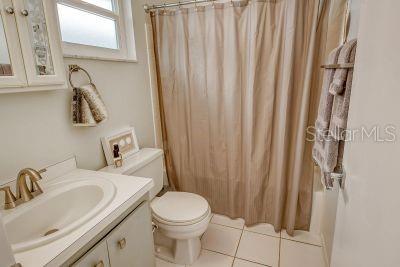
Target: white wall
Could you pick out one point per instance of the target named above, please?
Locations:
(368, 220)
(36, 127)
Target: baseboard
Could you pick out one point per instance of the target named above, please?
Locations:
(327, 263)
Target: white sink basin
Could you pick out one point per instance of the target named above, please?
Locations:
(59, 210)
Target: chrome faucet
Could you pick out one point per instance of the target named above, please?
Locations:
(24, 193)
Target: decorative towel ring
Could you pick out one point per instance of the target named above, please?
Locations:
(76, 68)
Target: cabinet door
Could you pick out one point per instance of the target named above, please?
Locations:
(130, 244)
(12, 71)
(40, 41)
(96, 257)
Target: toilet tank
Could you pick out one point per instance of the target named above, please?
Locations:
(148, 163)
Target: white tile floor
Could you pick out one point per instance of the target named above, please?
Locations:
(228, 243)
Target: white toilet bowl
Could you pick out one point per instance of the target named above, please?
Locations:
(181, 219)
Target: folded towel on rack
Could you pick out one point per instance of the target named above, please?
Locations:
(88, 107)
(81, 114)
(96, 104)
(340, 110)
(340, 77)
(324, 111)
(341, 100)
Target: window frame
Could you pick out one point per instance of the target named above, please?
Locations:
(124, 29)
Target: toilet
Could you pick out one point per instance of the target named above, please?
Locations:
(179, 218)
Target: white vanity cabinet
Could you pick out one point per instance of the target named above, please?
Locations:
(129, 244)
(30, 47)
(96, 257)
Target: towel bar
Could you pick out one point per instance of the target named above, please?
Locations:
(340, 177)
(338, 66)
(75, 68)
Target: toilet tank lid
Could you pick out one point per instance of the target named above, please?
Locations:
(143, 157)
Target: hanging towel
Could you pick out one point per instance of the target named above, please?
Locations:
(88, 108)
(81, 114)
(96, 104)
(324, 112)
(341, 89)
(340, 78)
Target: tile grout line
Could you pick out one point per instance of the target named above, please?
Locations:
(240, 239)
(302, 242)
(234, 257)
(263, 234)
(237, 248)
(226, 226)
(218, 252)
(279, 254)
(254, 232)
(262, 264)
(243, 227)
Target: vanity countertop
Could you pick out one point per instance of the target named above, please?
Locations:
(128, 191)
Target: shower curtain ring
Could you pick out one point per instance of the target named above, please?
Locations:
(165, 7)
(179, 4)
(231, 2)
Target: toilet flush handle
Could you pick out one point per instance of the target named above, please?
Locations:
(122, 243)
(154, 226)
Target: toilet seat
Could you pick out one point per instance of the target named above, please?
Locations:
(180, 208)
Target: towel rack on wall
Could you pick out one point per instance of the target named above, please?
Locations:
(338, 66)
(75, 68)
(340, 177)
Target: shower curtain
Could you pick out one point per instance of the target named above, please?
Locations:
(234, 82)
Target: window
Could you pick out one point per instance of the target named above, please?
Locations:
(97, 29)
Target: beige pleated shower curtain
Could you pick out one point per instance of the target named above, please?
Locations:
(234, 88)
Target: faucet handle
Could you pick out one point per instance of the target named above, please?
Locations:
(35, 188)
(36, 175)
(10, 201)
(42, 171)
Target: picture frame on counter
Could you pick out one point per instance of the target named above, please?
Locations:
(126, 140)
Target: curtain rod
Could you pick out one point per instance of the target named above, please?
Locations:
(148, 8)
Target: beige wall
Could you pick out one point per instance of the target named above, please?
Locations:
(36, 127)
(368, 218)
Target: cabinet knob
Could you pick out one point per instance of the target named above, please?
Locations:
(99, 264)
(10, 10)
(122, 243)
(24, 12)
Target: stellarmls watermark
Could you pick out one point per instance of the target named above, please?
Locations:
(377, 133)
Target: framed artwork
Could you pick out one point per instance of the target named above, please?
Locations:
(127, 141)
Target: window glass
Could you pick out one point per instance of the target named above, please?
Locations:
(106, 4)
(81, 27)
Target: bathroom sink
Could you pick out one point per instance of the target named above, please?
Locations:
(59, 210)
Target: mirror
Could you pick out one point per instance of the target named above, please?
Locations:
(5, 63)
